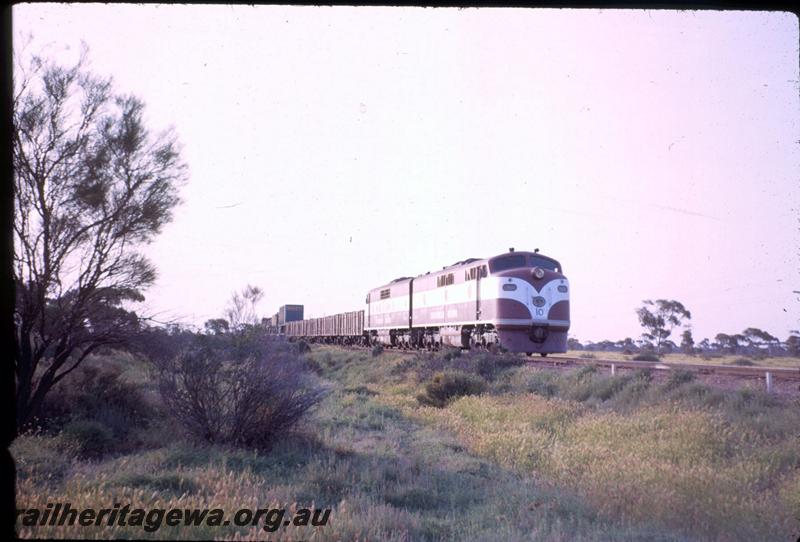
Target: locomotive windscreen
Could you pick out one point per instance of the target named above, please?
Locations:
(507, 262)
(512, 261)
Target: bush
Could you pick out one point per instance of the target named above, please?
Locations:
(302, 347)
(544, 383)
(244, 395)
(646, 356)
(92, 439)
(482, 363)
(44, 458)
(708, 355)
(677, 378)
(742, 361)
(99, 392)
(634, 391)
(448, 385)
(377, 350)
(584, 372)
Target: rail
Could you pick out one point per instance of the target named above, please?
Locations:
(769, 374)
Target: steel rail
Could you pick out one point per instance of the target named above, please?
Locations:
(767, 373)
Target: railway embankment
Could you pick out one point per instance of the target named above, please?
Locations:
(508, 449)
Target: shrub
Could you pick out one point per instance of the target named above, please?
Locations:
(602, 388)
(377, 350)
(222, 396)
(302, 347)
(488, 365)
(677, 378)
(633, 389)
(44, 458)
(646, 356)
(742, 361)
(711, 355)
(448, 385)
(100, 393)
(543, 383)
(587, 355)
(92, 439)
(584, 372)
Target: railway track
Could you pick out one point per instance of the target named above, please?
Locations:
(768, 374)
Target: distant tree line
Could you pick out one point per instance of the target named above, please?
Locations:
(661, 318)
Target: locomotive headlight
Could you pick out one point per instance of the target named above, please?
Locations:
(538, 272)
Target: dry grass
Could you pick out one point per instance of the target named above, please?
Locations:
(597, 459)
(681, 468)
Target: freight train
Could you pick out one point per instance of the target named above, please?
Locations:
(518, 301)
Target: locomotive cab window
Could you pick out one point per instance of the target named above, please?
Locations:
(507, 262)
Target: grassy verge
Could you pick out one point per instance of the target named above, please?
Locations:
(713, 464)
(538, 456)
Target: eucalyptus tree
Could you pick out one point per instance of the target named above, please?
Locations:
(660, 318)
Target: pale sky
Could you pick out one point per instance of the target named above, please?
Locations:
(656, 154)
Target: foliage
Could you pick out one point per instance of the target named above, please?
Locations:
(793, 344)
(241, 310)
(574, 344)
(687, 342)
(246, 391)
(377, 350)
(677, 465)
(659, 322)
(677, 378)
(93, 439)
(758, 337)
(646, 356)
(162, 343)
(448, 385)
(729, 343)
(91, 185)
(302, 347)
(98, 392)
(481, 362)
(216, 326)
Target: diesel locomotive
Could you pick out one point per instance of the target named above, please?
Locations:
(518, 301)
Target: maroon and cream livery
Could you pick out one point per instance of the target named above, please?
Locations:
(517, 300)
